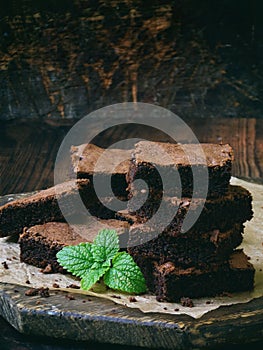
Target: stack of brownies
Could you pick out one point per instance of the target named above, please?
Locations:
(201, 261)
(176, 262)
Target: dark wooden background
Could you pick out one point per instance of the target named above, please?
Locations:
(65, 58)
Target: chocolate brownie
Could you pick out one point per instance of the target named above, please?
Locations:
(39, 244)
(173, 282)
(115, 164)
(44, 206)
(235, 206)
(185, 250)
(158, 163)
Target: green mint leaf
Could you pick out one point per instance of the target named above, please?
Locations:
(91, 261)
(125, 275)
(105, 246)
(76, 259)
(92, 276)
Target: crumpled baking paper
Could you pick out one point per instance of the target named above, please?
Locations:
(20, 273)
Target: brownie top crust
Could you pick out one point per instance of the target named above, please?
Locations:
(57, 232)
(169, 154)
(84, 158)
(65, 234)
(68, 187)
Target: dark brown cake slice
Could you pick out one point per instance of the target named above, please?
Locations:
(185, 250)
(39, 244)
(85, 157)
(173, 282)
(171, 159)
(44, 206)
(221, 213)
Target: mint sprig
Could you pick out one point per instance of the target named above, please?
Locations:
(102, 259)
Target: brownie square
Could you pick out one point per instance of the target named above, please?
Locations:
(235, 206)
(84, 159)
(172, 282)
(186, 249)
(39, 244)
(43, 206)
(169, 168)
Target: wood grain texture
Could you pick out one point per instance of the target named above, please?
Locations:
(27, 155)
(244, 135)
(92, 319)
(64, 59)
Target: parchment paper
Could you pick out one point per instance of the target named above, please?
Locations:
(19, 273)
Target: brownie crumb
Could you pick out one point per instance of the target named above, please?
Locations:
(132, 299)
(44, 292)
(31, 292)
(70, 297)
(187, 302)
(5, 265)
(55, 285)
(116, 296)
(47, 269)
(74, 286)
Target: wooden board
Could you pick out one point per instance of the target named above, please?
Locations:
(94, 319)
